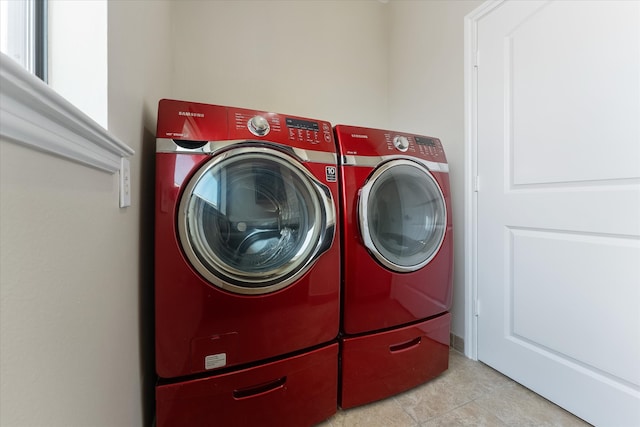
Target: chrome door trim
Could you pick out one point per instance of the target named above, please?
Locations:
(303, 260)
(167, 145)
(374, 161)
(363, 214)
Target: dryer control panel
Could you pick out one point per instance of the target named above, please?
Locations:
(357, 141)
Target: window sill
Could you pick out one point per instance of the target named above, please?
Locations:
(34, 115)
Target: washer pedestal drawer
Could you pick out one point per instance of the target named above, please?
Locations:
(296, 391)
(380, 365)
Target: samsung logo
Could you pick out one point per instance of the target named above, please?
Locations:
(190, 114)
(357, 135)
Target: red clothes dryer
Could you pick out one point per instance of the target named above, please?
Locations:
(398, 261)
(247, 262)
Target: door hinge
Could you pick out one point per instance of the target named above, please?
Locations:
(476, 184)
(476, 59)
(476, 308)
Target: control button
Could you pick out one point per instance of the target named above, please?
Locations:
(258, 126)
(401, 143)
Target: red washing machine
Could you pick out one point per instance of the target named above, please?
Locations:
(397, 262)
(247, 267)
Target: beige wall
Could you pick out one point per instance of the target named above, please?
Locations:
(396, 65)
(316, 58)
(74, 267)
(426, 96)
(140, 72)
(69, 315)
(76, 271)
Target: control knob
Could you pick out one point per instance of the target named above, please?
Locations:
(258, 126)
(401, 143)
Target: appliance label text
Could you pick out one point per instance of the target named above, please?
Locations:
(331, 174)
(190, 114)
(215, 361)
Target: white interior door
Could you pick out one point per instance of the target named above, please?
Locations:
(558, 206)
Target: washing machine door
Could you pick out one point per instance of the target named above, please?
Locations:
(402, 215)
(253, 220)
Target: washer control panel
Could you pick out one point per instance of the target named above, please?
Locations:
(294, 129)
(199, 123)
(308, 130)
(258, 125)
(401, 143)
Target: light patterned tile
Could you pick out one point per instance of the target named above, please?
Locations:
(385, 413)
(517, 406)
(470, 414)
(469, 393)
(464, 382)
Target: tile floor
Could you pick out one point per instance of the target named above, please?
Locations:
(469, 393)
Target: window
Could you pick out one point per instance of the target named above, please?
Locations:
(62, 118)
(24, 35)
(65, 44)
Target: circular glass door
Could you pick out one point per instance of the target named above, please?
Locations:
(253, 220)
(402, 215)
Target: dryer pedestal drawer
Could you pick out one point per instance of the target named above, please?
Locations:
(296, 391)
(380, 365)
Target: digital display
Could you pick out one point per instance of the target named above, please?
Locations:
(303, 124)
(431, 142)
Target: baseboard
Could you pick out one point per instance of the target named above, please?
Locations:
(456, 342)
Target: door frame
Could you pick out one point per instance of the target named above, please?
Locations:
(471, 183)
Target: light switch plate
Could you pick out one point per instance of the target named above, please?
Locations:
(125, 183)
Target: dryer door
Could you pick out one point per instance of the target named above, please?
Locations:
(253, 220)
(402, 215)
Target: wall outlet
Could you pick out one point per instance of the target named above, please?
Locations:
(125, 183)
